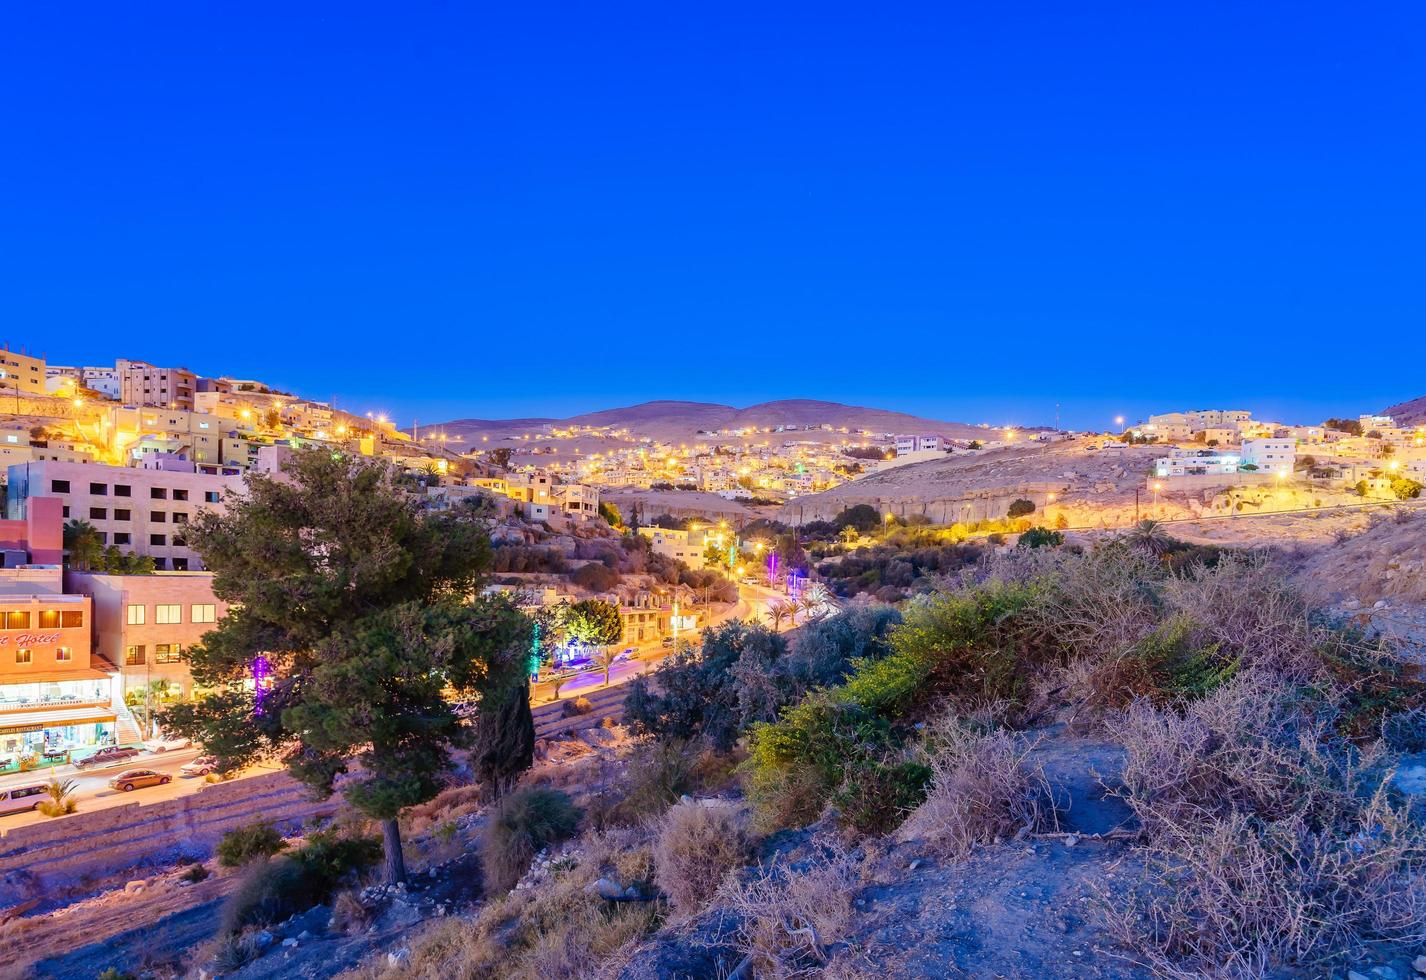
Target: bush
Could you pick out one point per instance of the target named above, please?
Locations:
(982, 787)
(1020, 507)
(1039, 537)
(60, 798)
(274, 888)
(876, 795)
(595, 577)
(697, 845)
(194, 873)
(778, 908)
(244, 844)
(523, 823)
(1272, 842)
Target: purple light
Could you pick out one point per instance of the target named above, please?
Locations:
(261, 669)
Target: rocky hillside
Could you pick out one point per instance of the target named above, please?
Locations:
(1408, 413)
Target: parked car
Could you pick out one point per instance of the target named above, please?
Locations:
(106, 756)
(132, 779)
(17, 799)
(200, 766)
(164, 744)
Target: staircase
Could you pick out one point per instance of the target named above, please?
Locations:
(126, 729)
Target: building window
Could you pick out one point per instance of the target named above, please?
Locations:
(134, 656)
(49, 619)
(98, 514)
(210, 496)
(99, 489)
(157, 516)
(167, 653)
(63, 655)
(204, 613)
(168, 615)
(158, 540)
(158, 493)
(121, 537)
(180, 541)
(22, 656)
(180, 564)
(136, 616)
(180, 495)
(122, 515)
(180, 518)
(17, 620)
(71, 620)
(123, 490)
(59, 486)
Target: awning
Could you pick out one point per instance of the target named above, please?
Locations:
(13, 723)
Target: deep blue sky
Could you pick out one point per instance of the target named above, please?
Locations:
(969, 210)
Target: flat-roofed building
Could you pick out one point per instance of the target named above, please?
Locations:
(140, 510)
(141, 383)
(21, 374)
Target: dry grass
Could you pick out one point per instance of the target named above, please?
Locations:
(789, 915)
(1271, 842)
(983, 788)
(1375, 564)
(696, 847)
(349, 915)
(450, 803)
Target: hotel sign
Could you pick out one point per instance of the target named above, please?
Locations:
(30, 639)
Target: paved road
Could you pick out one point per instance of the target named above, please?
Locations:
(93, 793)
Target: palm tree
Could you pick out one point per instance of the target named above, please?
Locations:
(777, 611)
(1151, 536)
(82, 541)
(850, 535)
(61, 798)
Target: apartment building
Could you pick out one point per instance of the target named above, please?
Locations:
(104, 380)
(906, 445)
(141, 510)
(1196, 462)
(144, 624)
(195, 435)
(141, 383)
(1275, 455)
(21, 374)
(685, 546)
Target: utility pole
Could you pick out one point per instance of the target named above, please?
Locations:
(1136, 504)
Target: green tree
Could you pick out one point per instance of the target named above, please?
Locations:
(83, 546)
(1040, 537)
(1020, 507)
(359, 601)
(500, 457)
(610, 513)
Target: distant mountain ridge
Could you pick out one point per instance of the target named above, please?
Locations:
(670, 419)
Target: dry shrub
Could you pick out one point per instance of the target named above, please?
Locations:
(982, 788)
(1098, 603)
(349, 915)
(789, 914)
(520, 825)
(1271, 843)
(697, 845)
(448, 804)
(577, 706)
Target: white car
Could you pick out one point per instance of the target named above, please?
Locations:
(166, 744)
(200, 766)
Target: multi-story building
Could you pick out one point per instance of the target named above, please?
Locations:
(141, 383)
(21, 374)
(56, 695)
(104, 380)
(1273, 455)
(1196, 462)
(144, 624)
(685, 546)
(918, 444)
(140, 510)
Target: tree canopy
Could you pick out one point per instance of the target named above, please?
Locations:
(358, 602)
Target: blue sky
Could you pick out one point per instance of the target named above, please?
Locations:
(971, 211)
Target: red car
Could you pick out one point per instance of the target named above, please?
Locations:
(107, 756)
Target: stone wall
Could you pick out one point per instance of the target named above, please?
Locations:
(105, 842)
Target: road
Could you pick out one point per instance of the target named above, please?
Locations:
(92, 790)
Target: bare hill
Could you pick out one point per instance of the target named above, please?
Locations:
(681, 420)
(1408, 413)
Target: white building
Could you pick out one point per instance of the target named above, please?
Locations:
(905, 445)
(1275, 455)
(1196, 462)
(685, 546)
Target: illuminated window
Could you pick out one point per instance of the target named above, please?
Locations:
(204, 613)
(22, 656)
(167, 615)
(167, 653)
(49, 619)
(17, 620)
(133, 656)
(71, 620)
(63, 655)
(136, 616)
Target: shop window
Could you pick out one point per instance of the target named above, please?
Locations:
(136, 616)
(63, 655)
(49, 619)
(134, 656)
(204, 613)
(71, 620)
(23, 656)
(167, 653)
(17, 620)
(168, 615)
